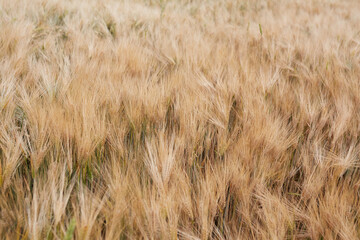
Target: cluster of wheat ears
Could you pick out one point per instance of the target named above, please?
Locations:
(179, 119)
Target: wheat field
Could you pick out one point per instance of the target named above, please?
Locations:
(179, 119)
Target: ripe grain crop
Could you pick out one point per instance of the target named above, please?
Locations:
(179, 119)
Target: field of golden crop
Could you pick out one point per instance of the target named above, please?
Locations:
(179, 119)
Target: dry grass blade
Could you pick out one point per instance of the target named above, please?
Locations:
(179, 119)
